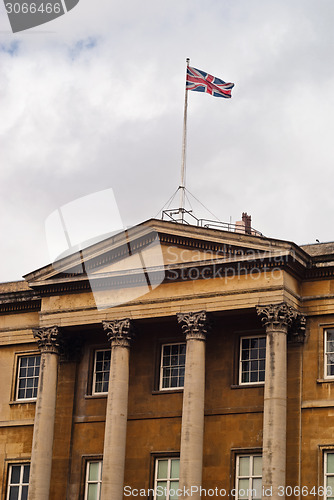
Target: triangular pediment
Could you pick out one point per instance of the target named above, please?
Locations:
(157, 247)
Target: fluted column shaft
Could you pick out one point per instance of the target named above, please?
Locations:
(42, 444)
(277, 320)
(119, 333)
(192, 430)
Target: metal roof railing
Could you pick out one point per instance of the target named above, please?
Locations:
(183, 216)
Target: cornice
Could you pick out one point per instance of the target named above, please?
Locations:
(319, 272)
(20, 301)
(189, 271)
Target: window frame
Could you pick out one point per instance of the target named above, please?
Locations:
(16, 377)
(325, 474)
(93, 391)
(9, 485)
(168, 479)
(326, 353)
(251, 476)
(88, 462)
(161, 367)
(240, 372)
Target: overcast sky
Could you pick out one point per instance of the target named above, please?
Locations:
(94, 100)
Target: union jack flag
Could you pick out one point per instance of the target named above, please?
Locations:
(203, 82)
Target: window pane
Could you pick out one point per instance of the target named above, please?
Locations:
(26, 472)
(330, 346)
(161, 490)
(243, 487)
(257, 466)
(92, 492)
(173, 382)
(244, 466)
(175, 469)
(162, 468)
(330, 482)
(24, 494)
(245, 343)
(175, 349)
(330, 462)
(262, 344)
(330, 335)
(257, 486)
(93, 471)
(14, 493)
(174, 485)
(16, 472)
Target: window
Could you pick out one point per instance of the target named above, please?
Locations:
(101, 371)
(329, 475)
(28, 375)
(18, 482)
(173, 357)
(329, 353)
(93, 480)
(252, 360)
(166, 481)
(249, 477)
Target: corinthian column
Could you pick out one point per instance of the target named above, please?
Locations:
(42, 443)
(192, 431)
(277, 319)
(119, 334)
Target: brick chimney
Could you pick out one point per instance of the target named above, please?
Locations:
(247, 220)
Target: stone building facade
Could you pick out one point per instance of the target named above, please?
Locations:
(169, 362)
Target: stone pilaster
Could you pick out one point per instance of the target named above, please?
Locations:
(277, 319)
(120, 333)
(195, 327)
(48, 340)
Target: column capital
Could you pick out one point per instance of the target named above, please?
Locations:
(195, 324)
(283, 317)
(48, 339)
(120, 331)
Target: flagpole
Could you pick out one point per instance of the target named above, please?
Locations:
(182, 186)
